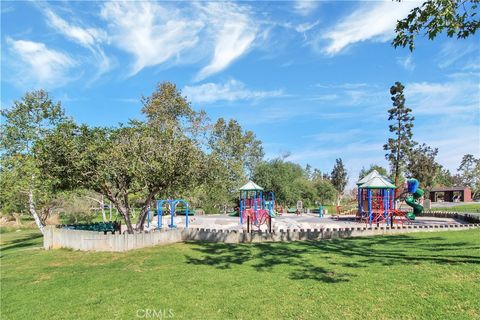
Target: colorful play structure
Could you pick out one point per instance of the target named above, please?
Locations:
(172, 205)
(255, 208)
(377, 201)
(415, 193)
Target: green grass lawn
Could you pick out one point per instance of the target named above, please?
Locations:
(470, 207)
(415, 276)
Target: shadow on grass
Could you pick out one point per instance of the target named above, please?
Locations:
(27, 240)
(348, 254)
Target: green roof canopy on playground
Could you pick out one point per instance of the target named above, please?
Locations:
(375, 180)
(376, 196)
(251, 186)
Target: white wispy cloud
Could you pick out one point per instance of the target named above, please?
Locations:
(346, 85)
(307, 26)
(129, 100)
(88, 37)
(371, 21)
(306, 29)
(235, 32)
(34, 64)
(305, 8)
(458, 97)
(162, 34)
(455, 51)
(407, 63)
(472, 64)
(231, 90)
(344, 151)
(151, 33)
(325, 97)
(338, 137)
(283, 113)
(453, 140)
(6, 9)
(85, 36)
(351, 94)
(450, 114)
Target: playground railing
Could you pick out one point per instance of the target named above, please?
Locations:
(400, 217)
(362, 217)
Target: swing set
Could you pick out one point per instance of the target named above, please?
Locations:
(172, 204)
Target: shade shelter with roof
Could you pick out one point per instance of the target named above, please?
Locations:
(451, 194)
(376, 198)
(254, 204)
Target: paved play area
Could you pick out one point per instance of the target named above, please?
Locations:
(287, 221)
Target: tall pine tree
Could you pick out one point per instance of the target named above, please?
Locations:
(339, 178)
(399, 146)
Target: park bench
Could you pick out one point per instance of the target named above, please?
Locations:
(110, 226)
(183, 212)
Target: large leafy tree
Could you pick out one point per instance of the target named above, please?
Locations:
(239, 150)
(291, 183)
(160, 156)
(339, 178)
(398, 147)
(469, 173)
(27, 122)
(365, 171)
(422, 165)
(234, 152)
(281, 177)
(457, 18)
(212, 195)
(306, 191)
(444, 178)
(325, 191)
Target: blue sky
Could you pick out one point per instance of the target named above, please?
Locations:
(309, 78)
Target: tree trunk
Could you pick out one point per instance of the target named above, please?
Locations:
(101, 204)
(121, 203)
(125, 212)
(17, 217)
(45, 214)
(143, 212)
(31, 208)
(128, 222)
(141, 218)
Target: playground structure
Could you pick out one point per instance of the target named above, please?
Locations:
(172, 204)
(256, 209)
(377, 202)
(376, 198)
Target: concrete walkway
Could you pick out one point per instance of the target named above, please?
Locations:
(287, 221)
